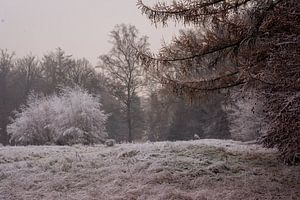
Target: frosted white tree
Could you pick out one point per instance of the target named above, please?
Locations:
(81, 118)
(73, 116)
(246, 116)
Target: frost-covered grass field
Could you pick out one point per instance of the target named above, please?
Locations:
(202, 170)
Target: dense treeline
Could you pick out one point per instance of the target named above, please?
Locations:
(138, 107)
(156, 116)
(55, 70)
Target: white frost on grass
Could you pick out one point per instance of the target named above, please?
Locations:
(201, 169)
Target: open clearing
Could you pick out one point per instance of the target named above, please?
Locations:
(193, 170)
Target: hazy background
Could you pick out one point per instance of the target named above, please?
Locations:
(80, 27)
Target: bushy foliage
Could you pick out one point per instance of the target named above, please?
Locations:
(73, 116)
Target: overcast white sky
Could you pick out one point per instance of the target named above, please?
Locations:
(80, 27)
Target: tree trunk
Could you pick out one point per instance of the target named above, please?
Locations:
(129, 121)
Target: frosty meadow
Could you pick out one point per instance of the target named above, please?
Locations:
(186, 170)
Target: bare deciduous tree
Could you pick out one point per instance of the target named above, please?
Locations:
(55, 66)
(121, 65)
(29, 71)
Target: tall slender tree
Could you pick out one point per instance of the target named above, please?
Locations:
(122, 68)
(55, 66)
(29, 73)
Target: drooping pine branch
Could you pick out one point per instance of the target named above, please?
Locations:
(192, 12)
(224, 40)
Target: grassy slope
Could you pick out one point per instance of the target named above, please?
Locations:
(204, 169)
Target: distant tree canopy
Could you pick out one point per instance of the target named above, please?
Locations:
(248, 43)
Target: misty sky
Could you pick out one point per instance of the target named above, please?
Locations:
(80, 27)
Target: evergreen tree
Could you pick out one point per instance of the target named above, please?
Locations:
(249, 43)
